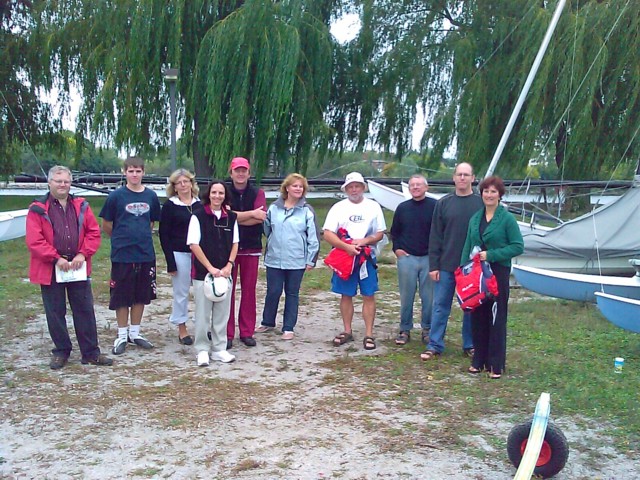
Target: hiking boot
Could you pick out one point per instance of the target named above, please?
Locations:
(99, 360)
(119, 346)
(141, 342)
(57, 362)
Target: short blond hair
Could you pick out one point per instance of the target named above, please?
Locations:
(290, 180)
(173, 178)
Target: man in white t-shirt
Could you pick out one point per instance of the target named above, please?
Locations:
(363, 221)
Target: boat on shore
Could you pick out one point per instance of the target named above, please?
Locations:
(13, 224)
(622, 312)
(575, 286)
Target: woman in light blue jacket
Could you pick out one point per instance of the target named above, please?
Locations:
(292, 248)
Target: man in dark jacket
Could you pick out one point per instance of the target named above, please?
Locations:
(410, 233)
(62, 235)
(250, 205)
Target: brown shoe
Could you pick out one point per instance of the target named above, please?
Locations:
(99, 360)
(57, 362)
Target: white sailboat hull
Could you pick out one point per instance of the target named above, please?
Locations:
(13, 224)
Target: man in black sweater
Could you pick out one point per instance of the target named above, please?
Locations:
(410, 233)
(448, 234)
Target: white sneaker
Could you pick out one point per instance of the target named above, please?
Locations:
(223, 356)
(203, 358)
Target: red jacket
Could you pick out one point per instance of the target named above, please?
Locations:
(40, 237)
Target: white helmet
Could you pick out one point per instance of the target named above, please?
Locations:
(216, 289)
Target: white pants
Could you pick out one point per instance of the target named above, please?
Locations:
(210, 316)
(181, 283)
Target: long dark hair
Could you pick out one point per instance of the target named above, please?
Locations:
(204, 195)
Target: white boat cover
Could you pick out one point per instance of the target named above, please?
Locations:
(611, 231)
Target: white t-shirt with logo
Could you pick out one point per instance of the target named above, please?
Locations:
(359, 219)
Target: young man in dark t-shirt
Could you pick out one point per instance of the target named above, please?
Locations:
(128, 216)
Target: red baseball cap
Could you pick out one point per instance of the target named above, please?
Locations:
(239, 162)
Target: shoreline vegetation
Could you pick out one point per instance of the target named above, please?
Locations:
(307, 409)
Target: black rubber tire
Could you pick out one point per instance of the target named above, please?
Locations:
(554, 439)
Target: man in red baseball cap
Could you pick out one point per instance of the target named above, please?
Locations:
(250, 204)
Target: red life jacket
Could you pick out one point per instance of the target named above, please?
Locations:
(475, 284)
(341, 262)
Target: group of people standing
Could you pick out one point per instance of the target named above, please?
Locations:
(214, 237)
(217, 235)
(430, 240)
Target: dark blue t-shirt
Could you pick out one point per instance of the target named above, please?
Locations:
(131, 214)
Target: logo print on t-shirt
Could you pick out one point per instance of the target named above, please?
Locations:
(356, 219)
(138, 208)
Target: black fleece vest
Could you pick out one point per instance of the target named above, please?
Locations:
(216, 240)
(250, 236)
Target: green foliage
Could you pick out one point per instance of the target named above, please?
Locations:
(24, 118)
(248, 71)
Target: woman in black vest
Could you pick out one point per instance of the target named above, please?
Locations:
(213, 239)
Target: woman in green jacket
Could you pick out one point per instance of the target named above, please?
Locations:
(495, 231)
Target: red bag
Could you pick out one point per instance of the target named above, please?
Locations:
(475, 284)
(341, 262)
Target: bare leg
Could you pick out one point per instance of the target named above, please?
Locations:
(182, 330)
(122, 316)
(346, 310)
(136, 313)
(369, 314)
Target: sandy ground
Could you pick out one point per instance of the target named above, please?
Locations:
(272, 414)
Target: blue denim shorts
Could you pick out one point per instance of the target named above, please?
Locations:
(368, 286)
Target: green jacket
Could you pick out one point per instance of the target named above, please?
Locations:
(502, 237)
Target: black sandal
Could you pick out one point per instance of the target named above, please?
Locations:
(369, 343)
(403, 338)
(342, 338)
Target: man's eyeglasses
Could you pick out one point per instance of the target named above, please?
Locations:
(464, 174)
(62, 182)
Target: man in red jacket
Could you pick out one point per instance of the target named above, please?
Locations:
(62, 235)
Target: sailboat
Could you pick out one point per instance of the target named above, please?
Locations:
(13, 224)
(622, 312)
(576, 286)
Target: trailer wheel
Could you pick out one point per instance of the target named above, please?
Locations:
(553, 453)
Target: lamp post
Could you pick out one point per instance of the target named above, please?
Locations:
(171, 77)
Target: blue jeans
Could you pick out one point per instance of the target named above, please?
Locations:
(442, 295)
(413, 273)
(277, 280)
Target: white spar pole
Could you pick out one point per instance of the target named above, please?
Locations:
(525, 89)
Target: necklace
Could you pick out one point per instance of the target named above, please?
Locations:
(188, 205)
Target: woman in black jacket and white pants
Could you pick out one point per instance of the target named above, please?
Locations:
(213, 239)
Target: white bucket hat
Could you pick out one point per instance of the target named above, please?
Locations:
(216, 289)
(353, 177)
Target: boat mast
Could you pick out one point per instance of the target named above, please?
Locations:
(525, 89)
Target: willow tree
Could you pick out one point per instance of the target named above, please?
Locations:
(116, 52)
(263, 75)
(466, 61)
(24, 118)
